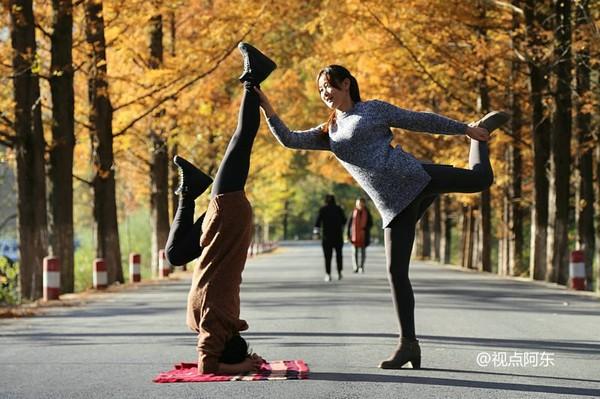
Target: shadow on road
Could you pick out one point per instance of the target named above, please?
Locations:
(432, 381)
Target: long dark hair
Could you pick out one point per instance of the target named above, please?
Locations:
(335, 75)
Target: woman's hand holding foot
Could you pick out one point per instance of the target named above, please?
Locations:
(477, 133)
(264, 103)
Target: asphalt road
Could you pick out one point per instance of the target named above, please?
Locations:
(114, 346)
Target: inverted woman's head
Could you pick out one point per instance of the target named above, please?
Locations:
(337, 87)
(235, 351)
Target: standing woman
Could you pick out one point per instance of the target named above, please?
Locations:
(359, 233)
(358, 133)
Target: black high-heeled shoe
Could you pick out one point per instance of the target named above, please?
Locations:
(257, 66)
(192, 181)
(493, 120)
(408, 351)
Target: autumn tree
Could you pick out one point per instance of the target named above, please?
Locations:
(63, 141)
(538, 61)
(100, 120)
(159, 157)
(29, 146)
(560, 160)
(585, 142)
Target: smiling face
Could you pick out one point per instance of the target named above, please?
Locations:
(334, 97)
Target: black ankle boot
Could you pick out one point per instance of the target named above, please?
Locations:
(257, 66)
(408, 351)
(192, 181)
(493, 120)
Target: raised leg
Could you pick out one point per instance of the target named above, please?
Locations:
(447, 179)
(183, 244)
(233, 171)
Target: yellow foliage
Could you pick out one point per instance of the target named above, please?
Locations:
(419, 54)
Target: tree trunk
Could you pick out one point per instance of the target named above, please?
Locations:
(476, 252)
(105, 207)
(175, 147)
(63, 143)
(598, 208)
(516, 266)
(468, 236)
(536, 25)
(159, 160)
(597, 187)
(485, 229)
(437, 229)
(286, 212)
(174, 182)
(585, 141)
(464, 221)
(29, 148)
(446, 238)
(425, 236)
(560, 161)
(504, 244)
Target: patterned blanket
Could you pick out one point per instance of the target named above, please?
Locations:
(275, 370)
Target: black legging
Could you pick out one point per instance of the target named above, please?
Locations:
(183, 244)
(400, 233)
(328, 252)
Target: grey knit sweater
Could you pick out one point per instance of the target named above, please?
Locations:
(360, 140)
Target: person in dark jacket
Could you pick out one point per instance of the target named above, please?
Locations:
(331, 221)
(359, 233)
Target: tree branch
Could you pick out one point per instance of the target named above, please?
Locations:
(6, 120)
(6, 220)
(149, 94)
(174, 94)
(141, 161)
(504, 4)
(6, 139)
(77, 122)
(41, 29)
(418, 62)
(89, 183)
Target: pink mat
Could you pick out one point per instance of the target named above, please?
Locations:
(275, 370)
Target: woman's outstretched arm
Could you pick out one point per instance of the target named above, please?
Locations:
(311, 139)
(428, 122)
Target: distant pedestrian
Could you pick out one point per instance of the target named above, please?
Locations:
(331, 221)
(359, 233)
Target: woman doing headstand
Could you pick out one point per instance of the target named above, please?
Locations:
(220, 237)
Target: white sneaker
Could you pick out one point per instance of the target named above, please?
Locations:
(327, 277)
(339, 275)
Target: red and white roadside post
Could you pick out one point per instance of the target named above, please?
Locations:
(135, 262)
(100, 276)
(164, 268)
(577, 271)
(51, 278)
